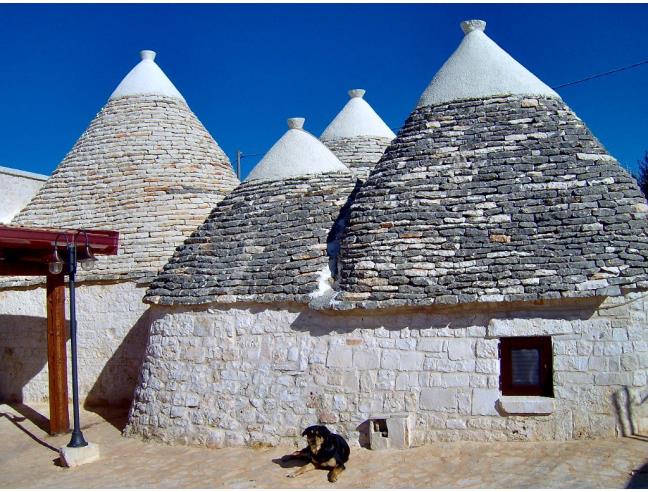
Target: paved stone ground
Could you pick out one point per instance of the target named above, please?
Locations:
(28, 459)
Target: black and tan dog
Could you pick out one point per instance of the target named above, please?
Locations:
(325, 450)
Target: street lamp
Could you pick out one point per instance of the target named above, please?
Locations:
(55, 266)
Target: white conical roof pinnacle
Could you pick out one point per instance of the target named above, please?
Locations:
(296, 153)
(479, 68)
(146, 78)
(357, 118)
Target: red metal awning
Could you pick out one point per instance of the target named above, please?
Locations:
(25, 250)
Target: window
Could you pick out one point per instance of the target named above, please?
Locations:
(525, 366)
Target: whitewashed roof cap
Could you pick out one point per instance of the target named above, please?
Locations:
(146, 78)
(479, 68)
(296, 153)
(356, 119)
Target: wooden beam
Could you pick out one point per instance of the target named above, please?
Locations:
(57, 355)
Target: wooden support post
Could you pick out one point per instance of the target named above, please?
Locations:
(57, 355)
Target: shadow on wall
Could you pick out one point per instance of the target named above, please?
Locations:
(113, 391)
(23, 354)
(630, 410)
(322, 323)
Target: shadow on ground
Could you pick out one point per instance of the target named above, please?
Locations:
(26, 413)
(639, 478)
(290, 461)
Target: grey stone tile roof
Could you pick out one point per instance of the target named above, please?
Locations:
(267, 241)
(145, 167)
(498, 199)
(360, 153)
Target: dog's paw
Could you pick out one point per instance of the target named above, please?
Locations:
(291, 475)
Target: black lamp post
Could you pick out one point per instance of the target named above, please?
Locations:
(55, 266)
(77, 440)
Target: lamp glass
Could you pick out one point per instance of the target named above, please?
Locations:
(55, 267)
(88, 263)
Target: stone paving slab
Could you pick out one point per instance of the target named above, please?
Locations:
(28, 459)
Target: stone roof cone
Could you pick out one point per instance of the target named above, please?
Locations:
(274, 238)
(357, 135)
(145, 166)
(493, 191)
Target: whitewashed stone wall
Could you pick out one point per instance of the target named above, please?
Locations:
(248, 374)
(16, 189)
(113, 328)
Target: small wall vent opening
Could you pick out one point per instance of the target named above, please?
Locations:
(391, 431)
(380, 425)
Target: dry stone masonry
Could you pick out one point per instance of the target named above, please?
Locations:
(145, 167)
(268, 240)
(359, 153)
(252, 374)
(497, 199)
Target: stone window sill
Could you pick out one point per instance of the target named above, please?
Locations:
(526, 405)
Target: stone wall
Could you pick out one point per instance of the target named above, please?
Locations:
(113, 328)
(227, 376)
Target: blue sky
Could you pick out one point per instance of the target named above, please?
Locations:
(245, 68)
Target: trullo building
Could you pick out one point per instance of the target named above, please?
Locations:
(489, 284)
(147, 168)
(357, 135)
(266, 251)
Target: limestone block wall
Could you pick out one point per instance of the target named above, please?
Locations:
(112, 332)
(227, 376)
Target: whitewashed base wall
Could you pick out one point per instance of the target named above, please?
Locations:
(113, 326)
(229, 376)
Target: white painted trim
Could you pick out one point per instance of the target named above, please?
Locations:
(23, 174)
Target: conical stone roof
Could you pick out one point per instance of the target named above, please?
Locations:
(145, 167)
(275, 238)
(357, 135)
(491, 196)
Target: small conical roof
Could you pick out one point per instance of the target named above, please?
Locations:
(356, 119)
(480, 68)
(357, 135)
(146, 167)
(296, 153)
(146, 78)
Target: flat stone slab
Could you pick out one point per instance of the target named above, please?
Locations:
(72, 457)
(526, 405)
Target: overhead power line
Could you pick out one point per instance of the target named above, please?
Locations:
(603, 74)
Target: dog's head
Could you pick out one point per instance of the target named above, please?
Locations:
(315, 436)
